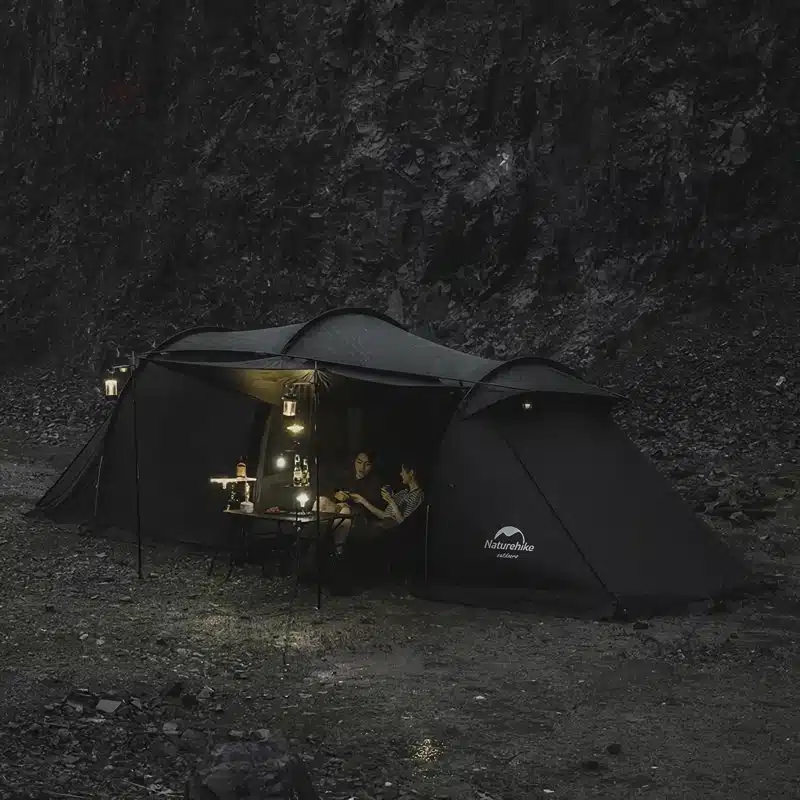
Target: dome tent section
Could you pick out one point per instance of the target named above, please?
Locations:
(595, 517)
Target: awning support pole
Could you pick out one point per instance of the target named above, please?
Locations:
(315, 456)
(134, 392)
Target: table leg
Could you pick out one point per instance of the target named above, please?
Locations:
(239, 545)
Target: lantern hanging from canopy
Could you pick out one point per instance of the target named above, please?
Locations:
(289, 405)
(280, 462)
(111, 387)
(295, 428)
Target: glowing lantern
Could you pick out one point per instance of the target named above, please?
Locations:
(295, 428)
(111, 387)
(302, 499)
(289, 406)
(527, 405)
(280, 462)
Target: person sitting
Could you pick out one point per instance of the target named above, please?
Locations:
(360, 479)
(399, 505)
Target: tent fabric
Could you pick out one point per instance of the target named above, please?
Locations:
(481, 489)
(546, 496)
(188, 432)
(359, 339)
(71, 498)
(527, 376)
(639, 536)
(588, 509)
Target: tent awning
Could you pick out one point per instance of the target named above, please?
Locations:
(363, 345)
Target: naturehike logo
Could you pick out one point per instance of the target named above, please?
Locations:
(509, 542)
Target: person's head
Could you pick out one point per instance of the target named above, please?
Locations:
(363, 464)
(408, 473)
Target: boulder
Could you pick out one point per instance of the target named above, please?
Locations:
(263, 770)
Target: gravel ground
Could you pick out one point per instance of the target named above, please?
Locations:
(386, 696)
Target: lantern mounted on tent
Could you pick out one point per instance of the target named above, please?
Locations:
(289, 404)
(280, 462)
(111, 386)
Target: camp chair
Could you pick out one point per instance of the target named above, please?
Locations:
(400, 550)
(407, 546)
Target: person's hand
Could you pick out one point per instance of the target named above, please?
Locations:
(340, 496)
(387, 495)
(358, 498)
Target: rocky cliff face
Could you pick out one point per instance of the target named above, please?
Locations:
(598, 181)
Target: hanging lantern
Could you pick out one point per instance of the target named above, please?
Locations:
(302, 499)
(295, 428)
(289, 405)
(111, 386)
(280, 462)
(527, 405)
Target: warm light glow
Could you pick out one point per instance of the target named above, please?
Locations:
(527, 405)
(112, 387)
(302, 499)
(280, 462)
(295, 428)
(289, 407)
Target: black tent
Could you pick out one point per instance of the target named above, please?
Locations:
(532, 485)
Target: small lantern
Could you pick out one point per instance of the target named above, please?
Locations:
(295, 428)
(280, 462)
(527, 405)
(289, 405)
(111, 387)
(302, 499)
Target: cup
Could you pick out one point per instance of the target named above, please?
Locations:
(247, 507)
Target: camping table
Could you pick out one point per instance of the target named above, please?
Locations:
(298, 520)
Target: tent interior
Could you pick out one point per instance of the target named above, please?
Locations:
(340, 417)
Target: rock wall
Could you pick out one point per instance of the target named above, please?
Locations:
(568, 178)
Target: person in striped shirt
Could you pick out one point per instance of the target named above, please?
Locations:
(399, 505)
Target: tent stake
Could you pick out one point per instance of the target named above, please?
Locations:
(136, 470)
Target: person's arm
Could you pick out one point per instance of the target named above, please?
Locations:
(374, 510)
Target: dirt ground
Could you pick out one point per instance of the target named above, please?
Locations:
(386, 695)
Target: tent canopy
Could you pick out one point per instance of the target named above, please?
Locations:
(360, 344)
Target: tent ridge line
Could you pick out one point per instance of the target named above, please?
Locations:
(163, 360)
(337, 312)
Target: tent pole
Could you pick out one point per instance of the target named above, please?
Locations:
(96, 509)
(315, 456)
(136, 469)
(427, 517)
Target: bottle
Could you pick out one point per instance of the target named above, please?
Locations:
(306, 474)
(297, 473)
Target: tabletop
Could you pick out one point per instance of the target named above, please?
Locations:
(301, 518)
